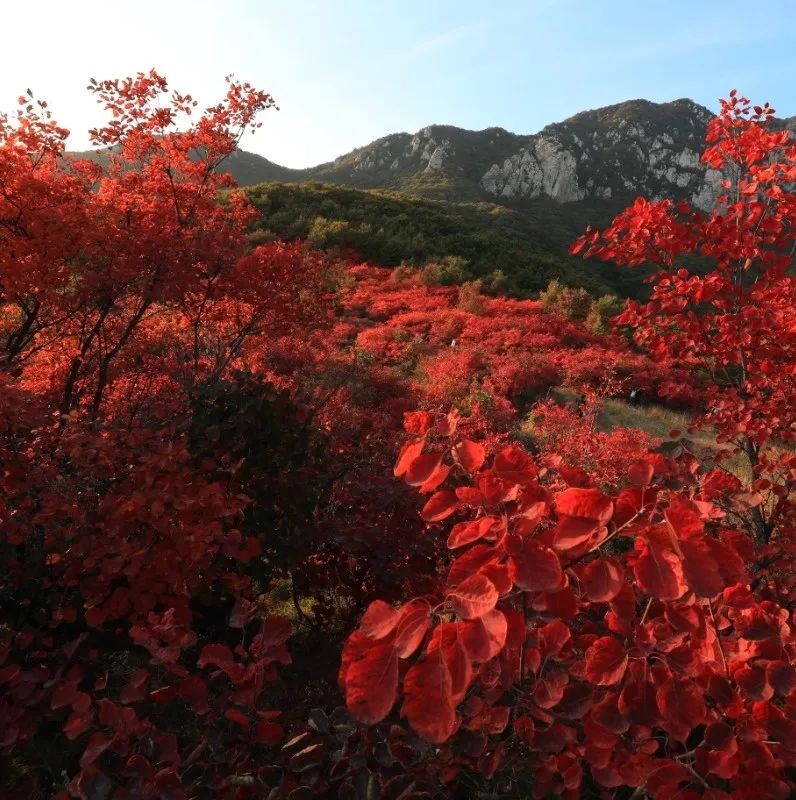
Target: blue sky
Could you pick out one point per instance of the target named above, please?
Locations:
(348, 71)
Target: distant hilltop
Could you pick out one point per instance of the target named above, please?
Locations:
(616, 152)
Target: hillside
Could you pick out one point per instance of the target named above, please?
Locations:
(508, 205)
(284, 523)
(616, 152)
(513, 250)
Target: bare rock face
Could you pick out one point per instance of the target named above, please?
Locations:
(550, 169)
(437, 158)
(636, 148)
(705, 195)
(616, 153)
(517, 177)
(559, 170)
(547, 167)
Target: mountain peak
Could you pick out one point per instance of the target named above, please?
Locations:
(610, 153)
(675, 112)
(616, 152)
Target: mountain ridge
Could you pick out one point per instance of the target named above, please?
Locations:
(504, 206)
(617, 151)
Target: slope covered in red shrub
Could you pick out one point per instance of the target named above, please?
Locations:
(188, 422)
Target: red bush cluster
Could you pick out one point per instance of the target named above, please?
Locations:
(130, 617)
(579, 630)
(185, 420)
(639, 638)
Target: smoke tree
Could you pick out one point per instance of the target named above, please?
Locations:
(640, 638)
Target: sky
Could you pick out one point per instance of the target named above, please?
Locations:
(345, 72)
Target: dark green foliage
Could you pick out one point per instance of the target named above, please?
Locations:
(603, 310)
(516, 251)
(245, 168)
(572, 304)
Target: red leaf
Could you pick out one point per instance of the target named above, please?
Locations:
(550, 689)
(577, 245)
(500, 575)
(700, 568)
(665, 778)
(659, 572)
(217, 654)
(471, 562)
(270, 733)
(682, 707)
(116, 717)
(470, 495)
(447, 426)
(560, 603)
(756, 625)
(9, 672)
(498, 718)
(572, 532)
(437, 478)
(730, 564)
(417, 421)
(536, 567)
(412, 627)
(440, 505)
(637, 702)
(379, 620)
(371, 682)
(752, 683)
(581, 513)
(447, 637)
(463, 533)
(355, 645)
(427, 704)
(514, 465)
(469, 454)
(193, 691)
(63, 695)
(553, 638)
(495, 490)
(781, 676)
(77, 724)
(422, 468)
(586, 503)
(484, 638)
(640, 473)
(606, 661)
(607, 714)
(683, 518)
(474, 597)
(96, 745)
(238, 718)
(603, 579)
(409, 452)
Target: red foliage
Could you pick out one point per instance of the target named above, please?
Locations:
(570, 437)
(126, 599)
(500, 359)
(645, 635)
(737, 322)
(640, 648)
(598, 616)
